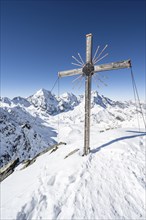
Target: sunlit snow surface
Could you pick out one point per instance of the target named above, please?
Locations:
(108, 184)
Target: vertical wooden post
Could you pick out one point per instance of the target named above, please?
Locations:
(87, 70)
(87, 114)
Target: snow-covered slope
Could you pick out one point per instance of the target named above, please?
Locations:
(28, 125)
(107, 184)
(22, 134)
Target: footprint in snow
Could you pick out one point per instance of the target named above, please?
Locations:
(57, 211)
(51, 181)
(72, 179)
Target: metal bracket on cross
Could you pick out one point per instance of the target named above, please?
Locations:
(87, 70)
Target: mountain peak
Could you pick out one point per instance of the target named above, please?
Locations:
(44, 100)
(42, 92)
(68, 94)
(94, 93)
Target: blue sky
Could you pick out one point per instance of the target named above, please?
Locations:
(38, 39)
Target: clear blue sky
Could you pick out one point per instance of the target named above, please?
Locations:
(38, 39)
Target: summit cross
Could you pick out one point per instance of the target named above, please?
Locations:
(88, 69)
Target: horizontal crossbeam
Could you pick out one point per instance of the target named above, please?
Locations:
(99, 68)
(112, 66)
(70, 72)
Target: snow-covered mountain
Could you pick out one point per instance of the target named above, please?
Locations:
(20, 137)
(28, 125)
(109, 183)
(44, 100)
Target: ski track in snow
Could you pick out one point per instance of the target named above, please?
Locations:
(107, 184)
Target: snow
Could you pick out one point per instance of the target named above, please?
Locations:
(109, 183)
(30, 125)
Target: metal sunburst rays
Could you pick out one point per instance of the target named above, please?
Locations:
(96, 58)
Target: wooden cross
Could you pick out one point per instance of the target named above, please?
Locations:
(88, 70)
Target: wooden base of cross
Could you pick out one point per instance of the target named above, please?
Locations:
(88, 70)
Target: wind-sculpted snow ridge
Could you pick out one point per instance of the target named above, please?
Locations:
(109, 183)
(29, 125)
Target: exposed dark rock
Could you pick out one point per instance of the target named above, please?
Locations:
(71, 153)
(52, 149)
(8, 169)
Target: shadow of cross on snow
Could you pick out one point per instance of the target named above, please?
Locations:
(118, 139)
(138, 132)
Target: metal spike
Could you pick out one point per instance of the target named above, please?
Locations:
(76, 64)
(101, 58)
(81, 58)
(95, 53)
(101, 53)
(95, 81)
(76, 59)
(81, 82)
(77, 78)
(100, 80)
